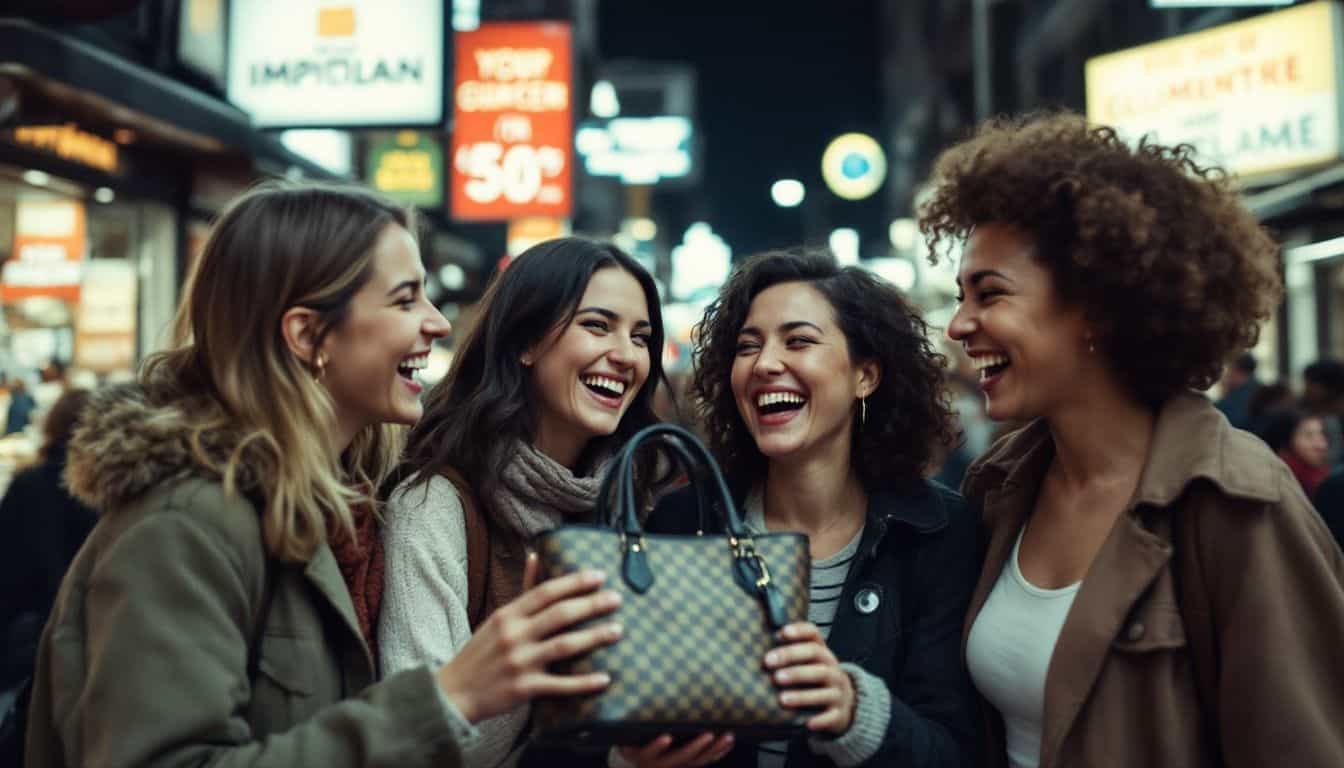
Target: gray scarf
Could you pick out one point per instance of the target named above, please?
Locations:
(537, 494)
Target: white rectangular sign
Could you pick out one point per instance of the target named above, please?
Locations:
(312, 63)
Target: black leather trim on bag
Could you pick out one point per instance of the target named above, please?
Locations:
(699, 614)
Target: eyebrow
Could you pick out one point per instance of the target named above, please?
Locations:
(414, 285)
(977, 277)
(785, 327)
(608, 314)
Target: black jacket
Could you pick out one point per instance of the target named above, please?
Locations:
(919, 556)
(44, 527)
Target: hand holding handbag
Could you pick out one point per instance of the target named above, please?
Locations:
(699, 614)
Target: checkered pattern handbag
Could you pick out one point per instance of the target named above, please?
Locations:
(699, 614)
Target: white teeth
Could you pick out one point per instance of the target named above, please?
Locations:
(415, 362)
(614, 385)
(982, 362)
(771, 398)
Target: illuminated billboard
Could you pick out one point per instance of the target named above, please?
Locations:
(315, 63)
(1256, 96)
(512, 122)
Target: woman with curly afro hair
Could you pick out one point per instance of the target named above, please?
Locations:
(825, 404)
(1156, 590)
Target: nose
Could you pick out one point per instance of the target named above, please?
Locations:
(435, 325)
(962, 324)
(622, 351)
(768, 362)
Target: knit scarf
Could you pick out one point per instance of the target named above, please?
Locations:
(535, 494)
(361, 562)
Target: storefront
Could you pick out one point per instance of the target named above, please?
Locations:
(109, 173)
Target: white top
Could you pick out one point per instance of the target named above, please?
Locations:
(1008, 654)
(424, 612)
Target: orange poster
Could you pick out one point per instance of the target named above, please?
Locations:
(48, 252)
(513, 122)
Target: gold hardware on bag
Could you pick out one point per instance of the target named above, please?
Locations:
(764, 581)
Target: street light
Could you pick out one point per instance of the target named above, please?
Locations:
(844, 244)
(788, 193)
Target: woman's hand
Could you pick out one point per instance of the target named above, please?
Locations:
(811, 677)
(659, 753)
(504, 663)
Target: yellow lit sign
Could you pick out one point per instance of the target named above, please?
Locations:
(1256, 96)
(70, 143)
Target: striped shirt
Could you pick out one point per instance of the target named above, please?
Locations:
(828, 581)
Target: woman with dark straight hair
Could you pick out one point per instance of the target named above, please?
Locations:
(558, 372)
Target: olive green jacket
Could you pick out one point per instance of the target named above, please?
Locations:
(144, 660)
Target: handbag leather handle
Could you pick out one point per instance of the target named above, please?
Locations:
(749, 569)
(700, 467)
(680, 455)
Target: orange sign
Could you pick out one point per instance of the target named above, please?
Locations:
(513, 122)
(48, 251)
(335, 22)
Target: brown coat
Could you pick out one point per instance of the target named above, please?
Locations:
(1209, 629)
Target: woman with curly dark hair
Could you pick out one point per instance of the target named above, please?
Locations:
(1157, 590)
(825, 404)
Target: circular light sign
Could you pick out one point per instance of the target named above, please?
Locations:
(854, 166)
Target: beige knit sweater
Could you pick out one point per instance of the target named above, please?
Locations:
(424, 612)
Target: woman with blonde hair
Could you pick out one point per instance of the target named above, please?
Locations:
(223, 609)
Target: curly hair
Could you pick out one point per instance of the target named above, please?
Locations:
(909, 418)
(1174, 273)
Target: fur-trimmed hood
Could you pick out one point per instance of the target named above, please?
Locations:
(129, 442)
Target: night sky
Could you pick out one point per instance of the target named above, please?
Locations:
(777, 81)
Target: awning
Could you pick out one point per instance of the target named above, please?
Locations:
(1293, 195)
(88, 80)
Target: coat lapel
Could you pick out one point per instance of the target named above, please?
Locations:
(1129, 562)
(1007, 491)
(1006, 508)
(325, 576)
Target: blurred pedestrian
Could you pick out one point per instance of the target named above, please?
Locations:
(559, 370)
(1239, 385)
(44, 528)
(1268, 398)
(21, 407)
(825, 403)
(1299, 439)
(1330, 504)
(222, 610)
(1323, 394)
(1162, 566)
